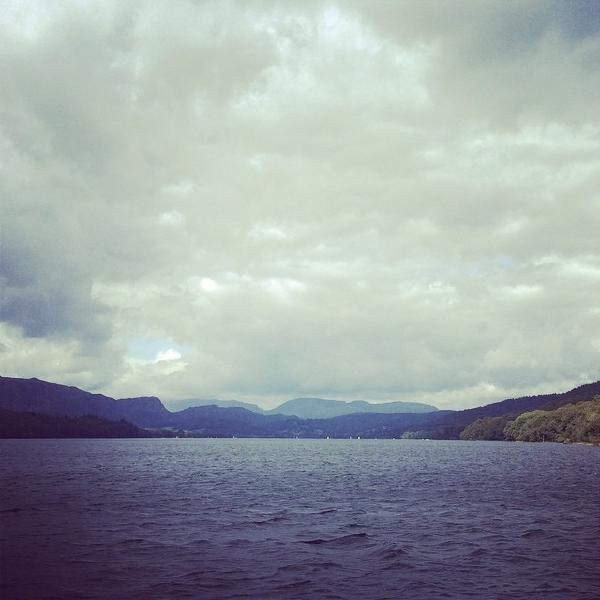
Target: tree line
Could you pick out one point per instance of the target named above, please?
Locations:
(579, 422)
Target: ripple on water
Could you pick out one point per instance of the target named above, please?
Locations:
(297, 519)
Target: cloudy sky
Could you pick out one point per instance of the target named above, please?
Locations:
(260, 200)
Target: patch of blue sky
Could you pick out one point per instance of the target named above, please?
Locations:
(143, 348)
(504, 261)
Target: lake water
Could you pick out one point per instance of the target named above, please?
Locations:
(298, 519)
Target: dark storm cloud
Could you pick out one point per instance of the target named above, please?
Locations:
(578, 19)
(44, 291)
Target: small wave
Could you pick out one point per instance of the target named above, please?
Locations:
(397, 565)
(131, 542)
(303, 567)
(293, 568)
(293, 585)
(338, 541)
(389, 553)
(533, 533)
(267, 521)
(522, 558)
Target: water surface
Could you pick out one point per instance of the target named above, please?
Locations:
(194, 518)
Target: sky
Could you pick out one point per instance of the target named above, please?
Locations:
(261, 200)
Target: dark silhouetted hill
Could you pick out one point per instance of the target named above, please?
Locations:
(32, 425)
(41, 397)
(35, 395)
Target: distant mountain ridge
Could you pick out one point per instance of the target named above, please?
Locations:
(315, 408)
(178, 405)
(321, 408)
(45, 398)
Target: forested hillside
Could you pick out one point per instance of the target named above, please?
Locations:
(579, 422)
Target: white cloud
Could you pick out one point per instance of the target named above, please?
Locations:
(263, 231)
(348, 199)
(208, 285)
(166, 355)
(171, 217)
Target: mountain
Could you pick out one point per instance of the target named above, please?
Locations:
(312, 408)
(45, 398)
(41, 397)
(35, 395)
(321, 408)
(226, 422)
(178, 405)
(145, 411)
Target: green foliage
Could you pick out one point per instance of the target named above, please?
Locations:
(578, 422)
(487, 428)
(570, 423)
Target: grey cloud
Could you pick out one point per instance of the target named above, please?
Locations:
(385, 200)
(501, 64)
(45, 291)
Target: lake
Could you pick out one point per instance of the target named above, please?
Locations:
(256, 518)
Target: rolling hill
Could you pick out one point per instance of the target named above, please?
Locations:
(44, 398)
